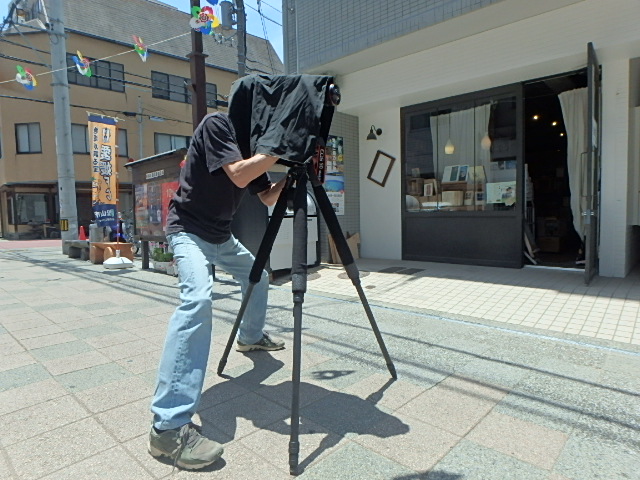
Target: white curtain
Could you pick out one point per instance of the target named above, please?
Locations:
(465, 129)
(575, 105)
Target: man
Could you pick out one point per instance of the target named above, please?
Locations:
(213, 179)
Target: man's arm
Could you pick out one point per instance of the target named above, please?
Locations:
(270, 196)
(242, 172)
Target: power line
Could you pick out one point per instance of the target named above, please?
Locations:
(37, 100)
(271, 20)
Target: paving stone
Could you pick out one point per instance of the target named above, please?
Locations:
(470, 461)
(272, 444)
(96, 467)
(348, 415)
(5, 469)
(526, 441)
(353, 462)
(95, 331)
(419, 448)
(48, 340)
(110, 339)
(243, 415)
(10, 361)
(148, 361)
(114, 394)
(38, 419)
(41, 331)
(62, 350)
(128, 421)
(18, 377)
(74, 363)
(29, 395)
(127, 349)
(59, 448)
(590, 458)
(455, 405)
(92, 377)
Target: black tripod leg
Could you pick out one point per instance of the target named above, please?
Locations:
(298, 287)
(258, 265)
(347, 261)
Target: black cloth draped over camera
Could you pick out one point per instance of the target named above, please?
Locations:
(281, 115)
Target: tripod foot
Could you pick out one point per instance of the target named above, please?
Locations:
(294, 449)
(221, 365)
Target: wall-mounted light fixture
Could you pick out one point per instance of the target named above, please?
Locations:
(374, 132)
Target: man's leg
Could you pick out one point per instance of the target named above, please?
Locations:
(235, 259)
(186, 350)
(184, 361)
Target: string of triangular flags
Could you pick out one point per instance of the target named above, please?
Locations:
(203, 20)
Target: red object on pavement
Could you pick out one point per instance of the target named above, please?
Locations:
(83, 235)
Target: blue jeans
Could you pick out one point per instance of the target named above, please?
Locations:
(186, 349)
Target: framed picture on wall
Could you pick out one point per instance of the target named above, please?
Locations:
(381, 168)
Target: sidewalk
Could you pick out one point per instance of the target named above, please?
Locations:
(502, 374)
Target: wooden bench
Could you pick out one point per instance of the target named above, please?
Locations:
(101, 251)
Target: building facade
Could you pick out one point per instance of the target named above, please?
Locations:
(509, 128)
(151, 99)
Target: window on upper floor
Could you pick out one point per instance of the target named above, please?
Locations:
(175, 88)
(123, 144)
(79, 138)
(165, 142)
(28, 138)
(104, 75)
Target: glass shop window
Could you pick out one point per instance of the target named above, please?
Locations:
(30, 208)
(462, 157)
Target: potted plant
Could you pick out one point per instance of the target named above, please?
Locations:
(161, 259)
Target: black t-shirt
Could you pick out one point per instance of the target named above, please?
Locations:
(207, 199)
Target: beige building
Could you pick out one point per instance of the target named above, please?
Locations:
(151, 99)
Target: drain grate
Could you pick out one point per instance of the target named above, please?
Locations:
(344, 275)
(411, 271)
(391, 270)
(401, 270)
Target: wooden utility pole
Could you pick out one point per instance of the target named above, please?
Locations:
(198, 76)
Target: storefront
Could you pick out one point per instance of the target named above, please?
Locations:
(517, 143)
(32, 210)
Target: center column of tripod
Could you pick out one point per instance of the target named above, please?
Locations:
(298, 287)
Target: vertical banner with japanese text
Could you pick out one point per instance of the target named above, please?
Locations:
(103, 148)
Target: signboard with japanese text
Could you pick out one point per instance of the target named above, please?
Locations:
(334, 173)
(103, 151)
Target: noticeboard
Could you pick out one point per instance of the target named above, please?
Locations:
(155, 180)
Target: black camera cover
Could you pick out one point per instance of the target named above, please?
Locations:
(281, 115)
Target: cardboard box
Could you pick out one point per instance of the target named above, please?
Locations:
(353, 242)
(550, 244)
(551, 226)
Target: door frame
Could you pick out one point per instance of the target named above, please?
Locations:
(592, 188)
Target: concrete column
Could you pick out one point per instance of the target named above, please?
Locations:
(614, 228)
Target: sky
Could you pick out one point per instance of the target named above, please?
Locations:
(270, 21)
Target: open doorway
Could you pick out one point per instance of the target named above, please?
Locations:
(549, 213)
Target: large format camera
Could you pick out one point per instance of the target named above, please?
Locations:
(286, 116)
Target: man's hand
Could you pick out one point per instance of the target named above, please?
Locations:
(270, 196)
(243, 172)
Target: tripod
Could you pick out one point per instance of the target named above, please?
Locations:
(299, 173)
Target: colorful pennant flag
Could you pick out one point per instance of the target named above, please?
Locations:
(141, 48)
(26, 78)
(204, 20)
(83, 64)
